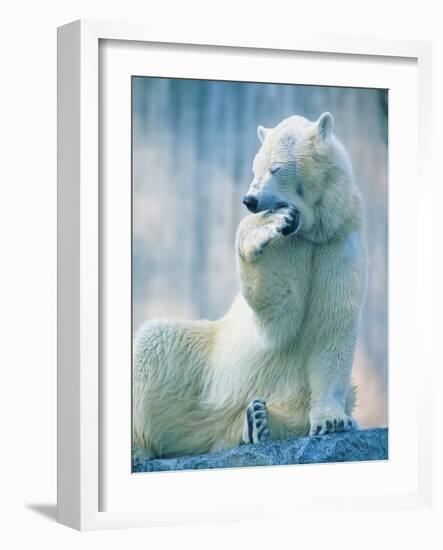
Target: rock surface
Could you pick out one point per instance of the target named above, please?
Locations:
(340, 447)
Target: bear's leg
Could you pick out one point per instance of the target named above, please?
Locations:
(255, 428)
(169, 361)
(328, 416)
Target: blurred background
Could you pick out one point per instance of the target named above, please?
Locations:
(193, 145)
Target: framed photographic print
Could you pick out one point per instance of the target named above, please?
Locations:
(248, 372)
(233, 339)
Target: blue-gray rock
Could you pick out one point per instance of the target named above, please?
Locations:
(340, 447)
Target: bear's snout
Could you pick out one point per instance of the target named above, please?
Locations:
(251, 203)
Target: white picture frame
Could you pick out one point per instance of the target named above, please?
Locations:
(80, 413)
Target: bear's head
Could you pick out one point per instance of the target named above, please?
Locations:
(302, 164)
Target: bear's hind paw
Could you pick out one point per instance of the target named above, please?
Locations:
(256, 428)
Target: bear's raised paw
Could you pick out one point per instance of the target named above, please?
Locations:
(290, 221)
(256, 428)
(283, 221)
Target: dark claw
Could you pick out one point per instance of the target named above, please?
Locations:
(250, 424)
(341, 425)
(292, 221)
(285, 231)
(328, 425)
(317, 430)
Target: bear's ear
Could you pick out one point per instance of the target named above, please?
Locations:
(261, 133)
(324, 125)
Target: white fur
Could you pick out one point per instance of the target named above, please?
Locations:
(289, 337)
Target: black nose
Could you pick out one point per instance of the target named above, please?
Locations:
(250, 202)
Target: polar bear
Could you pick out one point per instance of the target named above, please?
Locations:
(278, 364)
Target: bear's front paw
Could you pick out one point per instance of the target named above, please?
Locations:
(330, 421)
(287, 220)
(255, 428)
